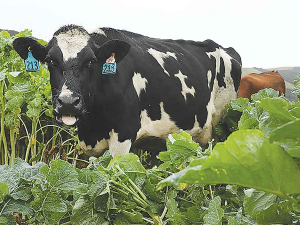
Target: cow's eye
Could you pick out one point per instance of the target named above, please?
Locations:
(51, 62)
(90, 63)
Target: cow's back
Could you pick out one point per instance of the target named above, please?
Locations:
(179, 84)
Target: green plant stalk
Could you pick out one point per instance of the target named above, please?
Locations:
(13, 147)
(54, 134)
(136, 197)
(3, 137)
(27, 151)
(33, 138)
(133, 184)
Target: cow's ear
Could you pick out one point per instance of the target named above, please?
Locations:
(120, 48)
(23, 45)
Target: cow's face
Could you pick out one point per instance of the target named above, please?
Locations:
(74, 62)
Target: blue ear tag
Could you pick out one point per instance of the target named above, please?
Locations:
(110, 67)
(31, 64)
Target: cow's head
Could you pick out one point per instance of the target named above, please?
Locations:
(74, 60)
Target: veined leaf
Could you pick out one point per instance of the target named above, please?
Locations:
(84, 213)
(265, 208)
(296, 89)
(4, 190)
(288, 136)
(246, 159)
(215, 212)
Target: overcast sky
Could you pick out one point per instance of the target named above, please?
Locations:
(266, 33)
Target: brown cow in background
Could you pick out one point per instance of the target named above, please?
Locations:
(253, 82)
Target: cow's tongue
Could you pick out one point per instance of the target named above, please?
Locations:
(68, 120)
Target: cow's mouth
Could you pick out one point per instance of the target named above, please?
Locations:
(69, 120)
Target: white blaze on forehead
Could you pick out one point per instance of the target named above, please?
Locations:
(139, 83)
(71, 43)
(99, 31)
(65, 91)
(157, 128)
(116, 147)
(185, 89)
(160, 56)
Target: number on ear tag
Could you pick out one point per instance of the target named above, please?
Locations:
(109, 68)
(31, 64)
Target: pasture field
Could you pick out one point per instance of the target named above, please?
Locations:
(248, 175)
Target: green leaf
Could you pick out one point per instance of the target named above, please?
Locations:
(60, 180)
(232, 221)
(174, 216)
(2, 74)
(265, 208)
(62, 176)
(84, 214)
(288, 136)
(240, 104)
(15, 73)
(265, 93)
(296, 89)
(10, 177)
(131, 166)
(215, 212)
(17, 206)
(26, 171)
(3, 220)
(180, 147)
(247, 160)
(4, 190)
(125, 218)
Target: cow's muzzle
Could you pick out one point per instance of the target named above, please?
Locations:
(67, 110)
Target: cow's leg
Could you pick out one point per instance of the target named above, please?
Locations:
(117, 147)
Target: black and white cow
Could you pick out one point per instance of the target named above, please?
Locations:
(160, 86)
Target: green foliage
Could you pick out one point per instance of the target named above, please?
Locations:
(25, 107)
(296, 89)
(251, 177)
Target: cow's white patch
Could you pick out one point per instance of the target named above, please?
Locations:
(185, 89)
(98, 150)
(158, 128)
(116, 147)
(139, 83)
(196, 130)
(220, 96)
(65, 91)
(99, 31)
(160, 56)
(209, 75)
(71, 43)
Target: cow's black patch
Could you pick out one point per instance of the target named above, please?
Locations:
(221, 75)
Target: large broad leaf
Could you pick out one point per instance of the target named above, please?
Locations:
(245, 159)
(59, 180)
(288, 136)
(267, 208)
